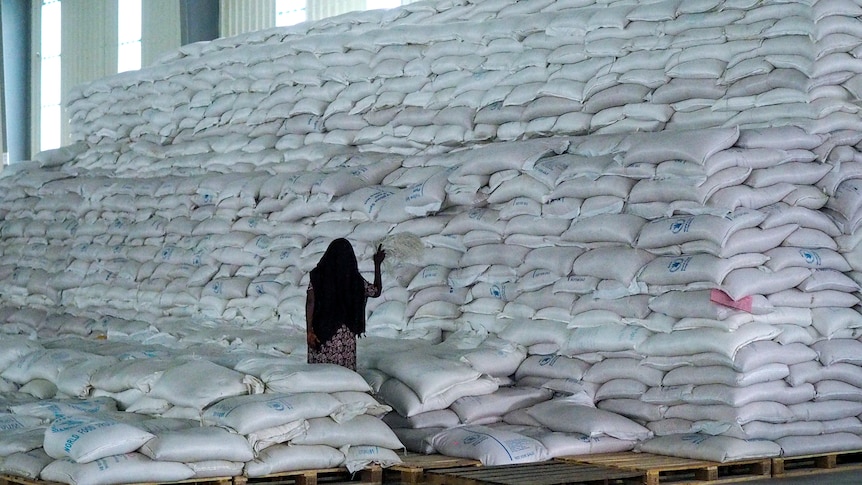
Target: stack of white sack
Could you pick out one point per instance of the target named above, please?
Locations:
(81, 441)
(562, 297)
(441, 76)
(648, 197)
(738, 333)
(77, 417)
(308, 429)
(460, 398)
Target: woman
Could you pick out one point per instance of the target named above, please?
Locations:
(335, 304)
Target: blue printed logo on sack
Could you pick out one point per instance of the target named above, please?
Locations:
(810, 256)
(680, 225)
(275, 405)
(678, 264)
(498, 292)
(366, 450)
(548, 360)
(65, 424)
(474, 439)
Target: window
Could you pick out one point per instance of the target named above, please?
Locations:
(129, 35)
(289, 12)
(375, 4)
(50, 99)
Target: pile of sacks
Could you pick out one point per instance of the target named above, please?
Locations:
(683, 280)
(438, 75)
(719, 255)
(85, 413)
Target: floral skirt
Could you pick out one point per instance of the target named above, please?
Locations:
(341, 350)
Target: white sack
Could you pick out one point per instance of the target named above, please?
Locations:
(742, 282)
(442, 418)
(358, 457)
(361, 430)
(249, 413)
(812, 445)
(490, 446)
(406, 403)
(115, 469)
(695, 146)
(87, 438)
(355, 403)
(552, 367)
(696, 268)
(839, 351)
(623, 368)
(43, 364)
(290, 376)
(11, 422)
(712, 448)
(21, 440)
(565, 416)
(472, 409)
(14, 347)
(609, 337)
(716, 374)
(274, 435)
(216, 468)
(689, 342)
(50, 409)
(198, 444)
(425, 374)
(197, 384)
(286, 458)
(627, 263)
(27, 464)
(681, 229)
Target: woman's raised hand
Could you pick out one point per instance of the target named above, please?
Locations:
(380, 255)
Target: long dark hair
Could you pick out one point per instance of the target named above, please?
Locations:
(339, 292)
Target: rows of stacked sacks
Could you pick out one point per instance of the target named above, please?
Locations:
(435, 76)
(683, 280)
(128, 413)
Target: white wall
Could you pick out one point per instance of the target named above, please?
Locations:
(240, 16)
(160, 29)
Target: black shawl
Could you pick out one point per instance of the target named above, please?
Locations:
(339, 292)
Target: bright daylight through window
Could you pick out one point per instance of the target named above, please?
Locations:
(51, 111)
(129, 35)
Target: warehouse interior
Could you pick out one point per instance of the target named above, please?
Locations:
(613, 229)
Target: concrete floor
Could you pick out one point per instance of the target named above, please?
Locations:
(851, 477)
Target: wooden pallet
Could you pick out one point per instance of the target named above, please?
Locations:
(413, 467)
(542, 473)
(660, 469)
(370, 474)
(788, 466)
(14, 480)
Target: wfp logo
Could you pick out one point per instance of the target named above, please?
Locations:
(810, 257)
(474, 439)
(275, 406)
(678, 265)
(680, 225)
